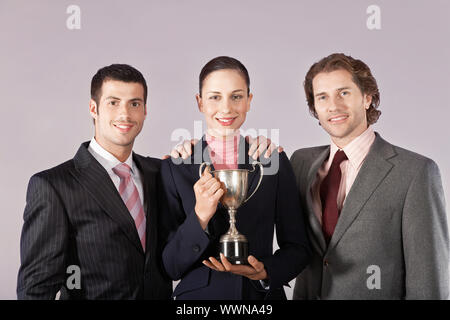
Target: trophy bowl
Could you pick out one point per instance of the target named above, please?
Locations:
(233, 244)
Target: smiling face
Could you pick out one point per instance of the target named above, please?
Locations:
(340, 106)
(224, 102)
(119, 116)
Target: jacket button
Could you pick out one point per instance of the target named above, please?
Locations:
(196, 248)
(325, 263)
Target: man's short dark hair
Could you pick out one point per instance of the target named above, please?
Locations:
(119, 72)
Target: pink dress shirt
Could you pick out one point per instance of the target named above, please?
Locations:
(356, 152)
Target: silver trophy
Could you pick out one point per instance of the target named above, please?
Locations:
(233, 244)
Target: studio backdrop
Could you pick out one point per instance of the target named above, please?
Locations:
(50, 49)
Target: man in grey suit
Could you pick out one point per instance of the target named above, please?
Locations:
(90, 224)
(376, 212)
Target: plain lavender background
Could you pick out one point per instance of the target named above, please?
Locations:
(46, 70)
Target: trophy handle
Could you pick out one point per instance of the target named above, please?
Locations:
(261, 171)
(201, 168)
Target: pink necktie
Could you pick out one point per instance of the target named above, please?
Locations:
(130, 197)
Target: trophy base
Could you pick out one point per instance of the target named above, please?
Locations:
(235, 251)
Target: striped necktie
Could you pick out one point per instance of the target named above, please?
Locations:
(130, 197)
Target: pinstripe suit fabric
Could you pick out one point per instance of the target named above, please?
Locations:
(74, 216)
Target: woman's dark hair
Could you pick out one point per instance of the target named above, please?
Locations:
(221, 63)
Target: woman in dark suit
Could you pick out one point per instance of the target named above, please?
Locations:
(194, 219)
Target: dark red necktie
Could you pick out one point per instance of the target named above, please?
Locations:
(329, 189)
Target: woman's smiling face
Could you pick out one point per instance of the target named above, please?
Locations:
(224, 101)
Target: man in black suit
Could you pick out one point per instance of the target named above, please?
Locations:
(86, 218)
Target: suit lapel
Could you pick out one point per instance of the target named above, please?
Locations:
(97, 182)
(150, 200)
(244, 162)
(373, 171)
(199, 156)
(312, 217)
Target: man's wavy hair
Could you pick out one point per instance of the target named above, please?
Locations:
(362, 77)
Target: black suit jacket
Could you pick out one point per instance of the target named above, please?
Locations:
(275, 203)
(75, 216)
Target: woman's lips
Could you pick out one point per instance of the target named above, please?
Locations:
(225, 121)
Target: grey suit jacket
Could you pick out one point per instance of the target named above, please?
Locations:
(391, 239)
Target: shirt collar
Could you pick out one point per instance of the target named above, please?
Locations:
(222, 144)
(357, 150)
(230, 138)
(107, 160)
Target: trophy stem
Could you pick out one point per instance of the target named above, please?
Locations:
(234, 245)
(232, 231)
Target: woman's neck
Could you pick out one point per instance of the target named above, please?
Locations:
(229, 134)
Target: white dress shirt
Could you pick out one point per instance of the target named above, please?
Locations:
(108, 161)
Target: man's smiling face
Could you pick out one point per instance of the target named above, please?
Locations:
(340, 106)
(119, 115)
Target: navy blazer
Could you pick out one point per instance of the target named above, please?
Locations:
(275, 203)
